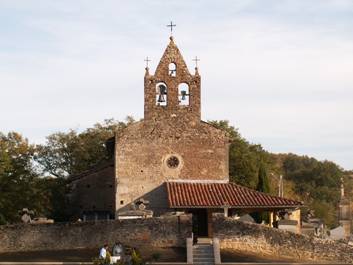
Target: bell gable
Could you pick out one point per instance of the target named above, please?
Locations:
(172, 91)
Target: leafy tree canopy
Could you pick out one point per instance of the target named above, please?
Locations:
(35, 176)
(244, 158)
(73, 152)
(19, 183)
(314, 182)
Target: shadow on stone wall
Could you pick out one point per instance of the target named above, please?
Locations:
(157, 198)
(87, 255)
(262, 241)
(159, 232)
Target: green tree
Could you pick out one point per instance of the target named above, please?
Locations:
(35, 176)
(69, 153)
(19, 181)
(244, 158)
(263, 185)
(55, 191)
(317, 183)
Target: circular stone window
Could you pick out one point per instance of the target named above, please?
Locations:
(173, 162)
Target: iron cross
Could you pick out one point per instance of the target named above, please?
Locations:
(147, 61)
(196, 60)
(171, 25)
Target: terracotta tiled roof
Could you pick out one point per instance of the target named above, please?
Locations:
(217, 195)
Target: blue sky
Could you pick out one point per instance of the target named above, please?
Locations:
(280, 71)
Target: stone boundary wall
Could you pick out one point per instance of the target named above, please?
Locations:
(160, 232)
(258, 240)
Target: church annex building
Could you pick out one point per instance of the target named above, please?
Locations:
(169, 162)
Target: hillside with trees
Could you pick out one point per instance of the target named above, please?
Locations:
(35, 176)
(316, 183)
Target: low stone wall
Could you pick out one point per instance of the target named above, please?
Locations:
(157, 233)
(258, 240)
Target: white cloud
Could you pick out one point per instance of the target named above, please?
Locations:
(278, 70)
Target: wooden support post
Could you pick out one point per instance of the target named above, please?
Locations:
(210, 222)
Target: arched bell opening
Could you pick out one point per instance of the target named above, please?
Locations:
(183, 94)
(161, 94)
(172, 69)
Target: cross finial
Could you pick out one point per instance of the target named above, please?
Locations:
(147, 60)
(171, 25)
(196, 60)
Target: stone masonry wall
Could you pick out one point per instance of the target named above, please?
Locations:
(94, 191)
(171, 131)
(153, 111)
(277, 244)
(152, 232)
(144, 149)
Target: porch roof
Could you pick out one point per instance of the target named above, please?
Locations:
(220, 195)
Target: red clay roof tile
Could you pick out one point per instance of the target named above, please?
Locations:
(219, 195)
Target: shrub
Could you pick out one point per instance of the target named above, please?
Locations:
(136, 258)
(156, 256)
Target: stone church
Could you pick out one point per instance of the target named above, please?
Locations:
(169, 162)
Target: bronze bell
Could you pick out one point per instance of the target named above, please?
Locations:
(161, 98)
(162, 91)
(183, 95)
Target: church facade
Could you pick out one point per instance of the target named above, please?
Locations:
(171, 142)
(169, 161)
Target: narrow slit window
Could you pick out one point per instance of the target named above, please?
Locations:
(183, 94)
(172, 69)
(161, 94)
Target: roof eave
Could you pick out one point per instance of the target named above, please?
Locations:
(236, 207)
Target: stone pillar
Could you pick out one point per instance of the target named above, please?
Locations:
(346, 224)
(271, 218)
(295, 215)
(345, 214)
(226, 211)
(189, 251)
(216, 251)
